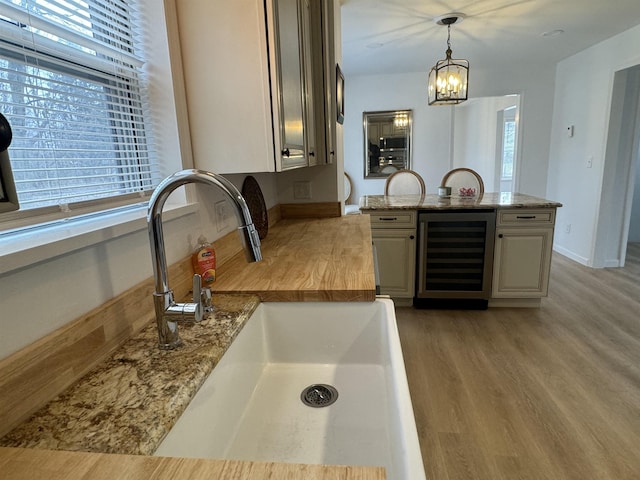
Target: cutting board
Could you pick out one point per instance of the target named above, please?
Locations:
(255, 201)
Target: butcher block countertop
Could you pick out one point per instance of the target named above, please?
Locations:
(303, 260)
(26, 464)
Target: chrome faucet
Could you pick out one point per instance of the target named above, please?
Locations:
(168, 312)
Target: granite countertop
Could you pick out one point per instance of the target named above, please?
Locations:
(434, 202)
(129, 402)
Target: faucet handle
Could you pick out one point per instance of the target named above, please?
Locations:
(205, 300)
(197, 301)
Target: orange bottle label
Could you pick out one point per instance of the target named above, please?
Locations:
(204, 264)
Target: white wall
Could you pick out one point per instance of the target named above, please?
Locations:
(432, 126)
(583, 98)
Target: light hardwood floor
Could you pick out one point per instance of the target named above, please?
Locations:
(549, 393)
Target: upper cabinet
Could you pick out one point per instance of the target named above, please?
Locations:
(256, 83)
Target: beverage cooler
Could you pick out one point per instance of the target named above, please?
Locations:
(455, 258)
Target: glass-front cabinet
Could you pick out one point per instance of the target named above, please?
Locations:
(290, 88)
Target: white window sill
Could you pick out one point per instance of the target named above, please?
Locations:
(21, 249)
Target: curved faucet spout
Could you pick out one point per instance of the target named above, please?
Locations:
(167, 311)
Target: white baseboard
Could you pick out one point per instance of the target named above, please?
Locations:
(573, 256)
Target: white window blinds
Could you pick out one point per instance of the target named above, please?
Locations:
(73, 89)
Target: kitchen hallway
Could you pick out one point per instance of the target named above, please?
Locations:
(550, 393)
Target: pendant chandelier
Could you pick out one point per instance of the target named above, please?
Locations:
(448, 79)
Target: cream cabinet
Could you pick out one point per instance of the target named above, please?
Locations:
(249, 78)
(522, 254)
(394, 238)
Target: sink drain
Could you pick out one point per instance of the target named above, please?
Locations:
(319, 395)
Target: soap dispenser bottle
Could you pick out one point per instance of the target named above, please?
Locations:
(204, 262)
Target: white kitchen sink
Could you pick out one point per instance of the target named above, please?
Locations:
(250, 407)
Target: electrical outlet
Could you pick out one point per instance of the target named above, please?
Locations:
(223, 215)
(302, 190)
(567, 228)
(590, 161)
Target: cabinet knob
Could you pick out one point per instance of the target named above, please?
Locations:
(312, 154)
(500, 235)
(411, 237)
(286, 152)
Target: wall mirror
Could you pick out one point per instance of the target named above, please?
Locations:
(387, 142)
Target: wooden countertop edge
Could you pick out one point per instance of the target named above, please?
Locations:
(29, 464)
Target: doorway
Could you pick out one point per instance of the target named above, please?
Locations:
(619, 215)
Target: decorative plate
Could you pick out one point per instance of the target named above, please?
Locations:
(255, 201)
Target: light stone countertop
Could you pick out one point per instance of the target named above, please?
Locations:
(131, 400)
(434, 202)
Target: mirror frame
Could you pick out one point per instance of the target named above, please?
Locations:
(367, 119)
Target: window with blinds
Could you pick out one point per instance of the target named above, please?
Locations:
(73, 89)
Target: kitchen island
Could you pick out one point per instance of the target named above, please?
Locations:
(492, 249)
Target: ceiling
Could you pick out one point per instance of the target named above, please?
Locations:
(400, 36)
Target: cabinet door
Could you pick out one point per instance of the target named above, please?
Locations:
(290, 82)
(226, 74)
(396, 253)
(522, 261)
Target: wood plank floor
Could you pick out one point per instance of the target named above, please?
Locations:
(549, 393)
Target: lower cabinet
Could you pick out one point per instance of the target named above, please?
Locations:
(394, 237)
(522, 255)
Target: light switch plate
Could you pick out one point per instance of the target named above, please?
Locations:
(223, 215)
(302, 190)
